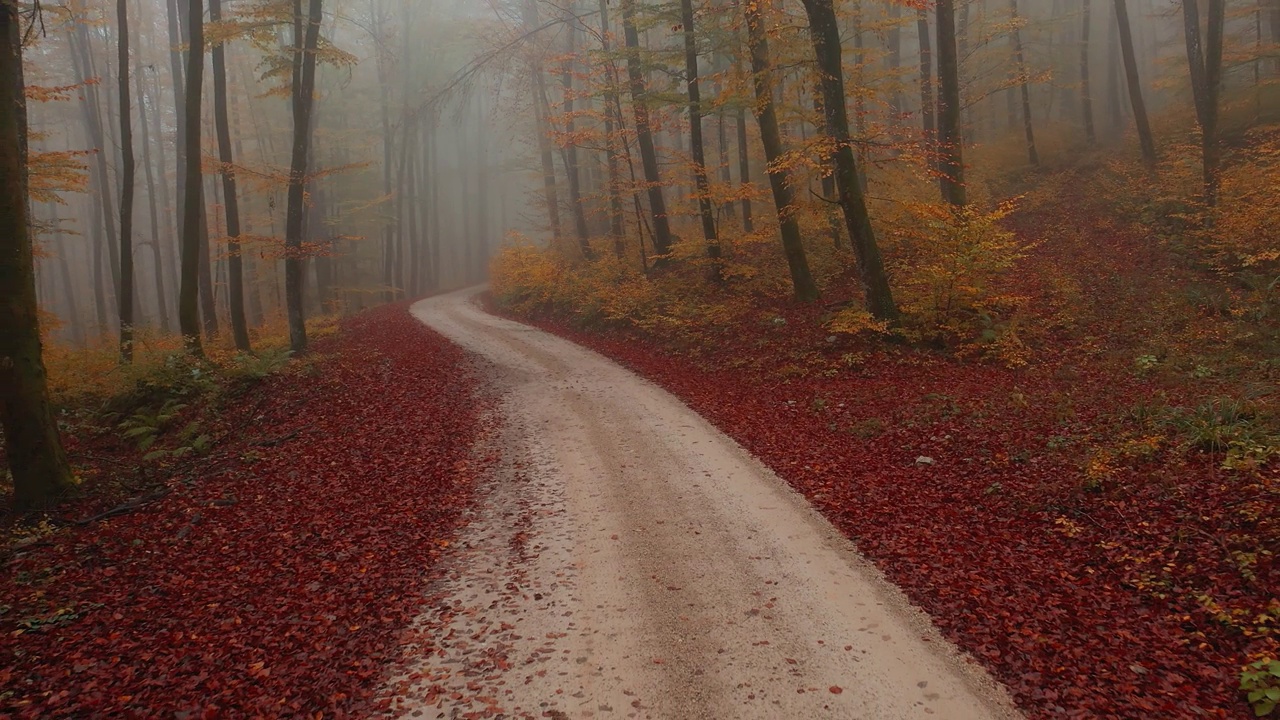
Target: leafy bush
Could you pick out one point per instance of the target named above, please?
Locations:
(1260, 682)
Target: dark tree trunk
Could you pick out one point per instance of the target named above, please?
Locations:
(153, 202)
(806, 290)
(1023, 85)
(825, 31)
(571, 170)
(1115, 75)
(81, 60)
(1206, 84)
(189, 171)
(1086, 96)
(950, 148)
(33, 447)
(644, 133)
(696, 146)
(542, 113)
(617, 228)
(128, 171)
(231, 202)
(927, 104)
(744, 168)
(1145, 139)
(306, 39)
(208, 305)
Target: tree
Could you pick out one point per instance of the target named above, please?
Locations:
(1145, 139)
(825, 33)
(805, 289)
(617, 228)
(950, 148)
(571, 147)
(37, 462)
(128, 171)
(644, 131)
(1021, 64)
(927, 104)
(306, 34)
(1086, 96)
(1206, 84)
(189, 171)
(705, 210)
(231, 203)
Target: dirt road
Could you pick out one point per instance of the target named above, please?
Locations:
(630, 560)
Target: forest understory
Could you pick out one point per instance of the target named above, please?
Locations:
(1093, 521)
(270, 575)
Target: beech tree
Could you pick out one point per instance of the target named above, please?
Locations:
(805, 289)
(825, 32)
(189, 171)
(306, 34)
(33, 447)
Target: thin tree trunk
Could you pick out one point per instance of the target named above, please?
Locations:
(744, 168)
(1145, 139)
(1206, 84)
(162, 299)
(825, 31)
(927, 104)
(33, 448)
(695, 134)
(1115, 73)
(1020, 63)
(128, 172)
(306, 40)
(805, 289)
(91, 107)
(231, 202)
(189, 171)
(950, 147)
(1086, 97)
(644, 133)
(617, 228)
(571, 148)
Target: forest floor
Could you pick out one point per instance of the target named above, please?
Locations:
(274, 575)
(1069, 523)
(631, 560)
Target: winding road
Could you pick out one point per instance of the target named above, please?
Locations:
(630, 560)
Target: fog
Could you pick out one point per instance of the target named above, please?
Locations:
(444, 128)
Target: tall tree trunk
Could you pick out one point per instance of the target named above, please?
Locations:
(893, 58)
(1206, 84)
(384, 80)
(208, 305)
(744, 168)
(825, 31)
(1086, 96)
(81, 60)
(542, 118)
(1145, 139)
(1115, 75)
(306, 40)
(153, 202)
(189, 171)
(617, 228)
(950, 147)
(705, 208)
(128, 168)
(806, 290)
(1023, 84)
(644, 132)
(41, 474)
(231, 202)
(927, 103)
(571, 170)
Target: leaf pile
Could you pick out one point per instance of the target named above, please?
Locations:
(1095, 567)
(279, 582)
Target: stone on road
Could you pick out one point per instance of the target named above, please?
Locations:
(630, 560)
